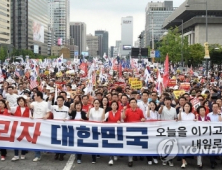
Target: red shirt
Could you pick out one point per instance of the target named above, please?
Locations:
(133, 116)
(85, 108)
(4, 112)
(121, 106)
(114, 118)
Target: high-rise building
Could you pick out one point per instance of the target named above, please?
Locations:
(103, 42)
(29, 29)
(78, 33)
(156, 13)
(59, 18)
(5, 27)
(126, 35)
(93, 45)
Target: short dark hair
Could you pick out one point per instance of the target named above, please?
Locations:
(85, 96)
(76, 103)
(21, 98)
(200, 107)
(215, 104)
(114, 94)
(40, 94)
(63, 92)
(167, 98)
(191, 107)
(61, 97)
(132, 99)
(145, 92)
(10, 87)
(124, 95)
(182, 97)
(134, 92)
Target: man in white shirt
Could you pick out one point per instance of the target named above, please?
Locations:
(168, 112)
(215, 116)
(40, 111)
(61, 112)
(11, 97)
(143, 105)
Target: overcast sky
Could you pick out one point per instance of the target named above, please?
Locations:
(106, 15)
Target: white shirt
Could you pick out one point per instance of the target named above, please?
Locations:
(144, 107)
(78, 115)
(185, 116)
(168, 114)
(95, 115)
(60, 113)
(154, 115)
(12, 99)
(40, 109)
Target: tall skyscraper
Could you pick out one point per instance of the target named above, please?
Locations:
(5, 27)
(93, 45)
(126, 35)
(78, 33)
(156, 13)
(103, 42)
(59, 18)
(29, 22)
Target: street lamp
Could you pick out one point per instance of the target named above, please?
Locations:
(140, 38)
(187, 5)
(180, 20)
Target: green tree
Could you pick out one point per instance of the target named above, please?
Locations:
(2, 54)
(171, 44)
(196, 54)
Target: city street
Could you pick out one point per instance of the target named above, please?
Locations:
(48, 163)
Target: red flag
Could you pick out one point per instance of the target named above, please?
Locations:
(83, 68)
(166, 72)
(120, 70)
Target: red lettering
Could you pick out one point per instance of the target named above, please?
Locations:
(25, 132)
(11, 138)
(36, 133)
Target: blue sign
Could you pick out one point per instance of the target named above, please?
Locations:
(157, 54)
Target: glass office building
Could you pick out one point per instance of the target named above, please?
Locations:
(30, 25)
(156, 13)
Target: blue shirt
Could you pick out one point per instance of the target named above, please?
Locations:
(213, 117)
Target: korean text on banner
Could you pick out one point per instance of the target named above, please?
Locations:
(132, 79)
(136, 84)
(142, 138)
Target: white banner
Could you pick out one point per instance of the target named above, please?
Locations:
(143, 138)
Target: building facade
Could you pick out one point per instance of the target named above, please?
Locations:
(156, 13)
(126, 35)
(193, 15)
(5, 20)
(93, 45)
(29, 30)
(59, 18)
(103, 42)
(78, 33)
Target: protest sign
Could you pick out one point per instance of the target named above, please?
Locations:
(136, 84)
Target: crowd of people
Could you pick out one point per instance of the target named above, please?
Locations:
(65, 98)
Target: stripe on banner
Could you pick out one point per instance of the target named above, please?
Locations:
(144, 138)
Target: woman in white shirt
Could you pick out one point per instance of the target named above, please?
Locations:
(95, 114)
(152, 114)
(186, 115)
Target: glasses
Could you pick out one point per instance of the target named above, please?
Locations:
(154, 95)
(201, 100)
